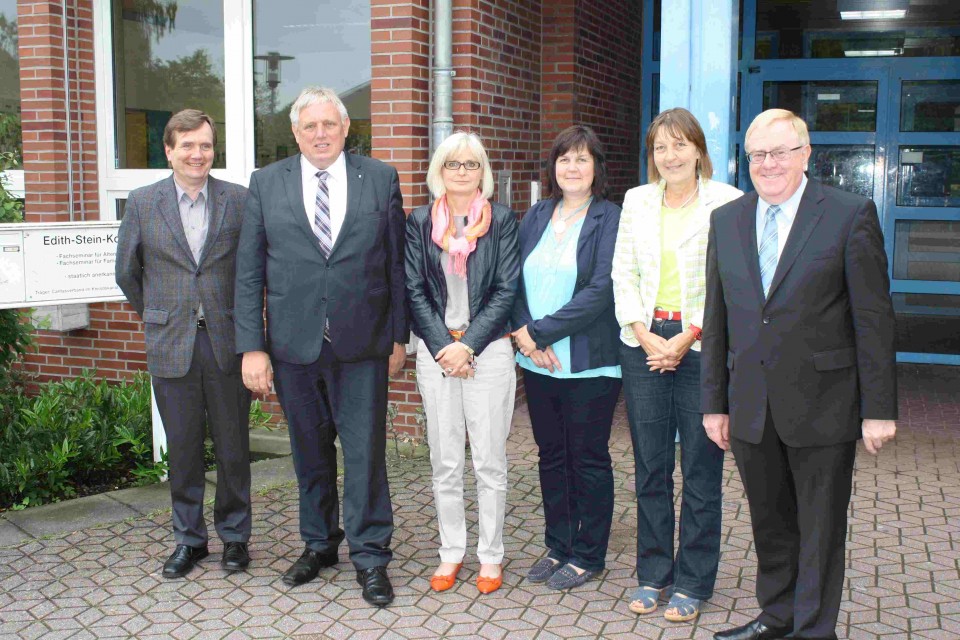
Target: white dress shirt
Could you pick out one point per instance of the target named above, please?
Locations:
(788, 211)
(336, 186)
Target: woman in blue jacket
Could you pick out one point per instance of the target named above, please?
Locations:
(568, 344)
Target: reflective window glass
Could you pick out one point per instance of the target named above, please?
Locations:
(847, 29)
(930, 105)
(167, 56)
(927, 250)
(309, 44)
(11, 138)
(826, 106)
(929, 177)
(847, 167)
(657, 13)
(655, 97)
(927, 323)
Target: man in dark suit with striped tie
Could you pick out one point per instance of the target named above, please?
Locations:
(798, 363)
(323, 236)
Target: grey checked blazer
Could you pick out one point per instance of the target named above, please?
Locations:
(157, 272)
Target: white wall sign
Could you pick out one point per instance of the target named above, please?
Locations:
(57, 263)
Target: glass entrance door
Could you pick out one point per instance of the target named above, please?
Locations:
(888, 129)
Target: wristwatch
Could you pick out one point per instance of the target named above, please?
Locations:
(697, 331)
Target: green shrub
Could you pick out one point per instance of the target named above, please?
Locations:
(74, 433)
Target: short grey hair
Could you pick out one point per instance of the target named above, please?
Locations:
(453, 145)
(316, 95)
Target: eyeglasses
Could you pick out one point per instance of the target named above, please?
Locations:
(757, 157)
(453, 165)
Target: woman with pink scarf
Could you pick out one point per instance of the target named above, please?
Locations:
(462, 266)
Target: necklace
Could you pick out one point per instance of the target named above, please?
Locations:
(685, 202)
(560, 226)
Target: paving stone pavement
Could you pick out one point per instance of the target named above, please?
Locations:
(903, 559)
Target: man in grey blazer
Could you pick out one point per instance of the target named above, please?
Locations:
(323, 235)
(176, 263)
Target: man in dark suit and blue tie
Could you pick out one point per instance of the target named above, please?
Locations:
(798, 364)
(323, 236)
(176, 262)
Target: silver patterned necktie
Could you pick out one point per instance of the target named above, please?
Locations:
(768, 249)
(321, 227)
(321, 215)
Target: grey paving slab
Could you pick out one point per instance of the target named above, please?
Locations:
(903, 557)
(144, 499)
(10, 533)
(70, 515)
(274, 443)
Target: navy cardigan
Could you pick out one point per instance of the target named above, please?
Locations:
(588, 318)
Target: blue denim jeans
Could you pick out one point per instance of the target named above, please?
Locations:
(659, 405)
(571, 421)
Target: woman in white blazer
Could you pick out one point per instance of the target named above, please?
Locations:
(659, 289)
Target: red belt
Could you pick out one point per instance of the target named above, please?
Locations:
(660, 314)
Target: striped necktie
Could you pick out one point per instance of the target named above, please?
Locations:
(768, 249)
(321, 215)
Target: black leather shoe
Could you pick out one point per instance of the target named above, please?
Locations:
(753, 630)
(235, 556)
(308, 566)
(182, 559)
(377, 589)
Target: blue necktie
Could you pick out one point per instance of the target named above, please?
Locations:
(768, 249)
(321, 215)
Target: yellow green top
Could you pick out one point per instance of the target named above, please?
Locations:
(673, 223)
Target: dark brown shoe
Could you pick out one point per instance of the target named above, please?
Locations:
(182, 559)
(308, 566)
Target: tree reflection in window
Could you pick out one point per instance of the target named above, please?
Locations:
(168, 56)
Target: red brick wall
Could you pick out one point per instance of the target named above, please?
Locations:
(113, 343)
(608, 84)
(591, 75)
(496, 90)
(525, 69)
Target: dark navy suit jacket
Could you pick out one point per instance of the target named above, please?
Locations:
(589, 317)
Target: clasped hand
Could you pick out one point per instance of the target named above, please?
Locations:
(662, 354)
(455, 361)
(543, 358)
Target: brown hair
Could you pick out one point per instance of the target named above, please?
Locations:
(186, 120)
(579, 137)
(679, 123)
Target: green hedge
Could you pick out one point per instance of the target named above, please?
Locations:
(78, 434)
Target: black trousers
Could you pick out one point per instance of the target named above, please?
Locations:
(207, 398)
(571, 420)
(323, 400)
(798, 507)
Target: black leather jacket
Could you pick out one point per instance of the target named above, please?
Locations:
(493, 271)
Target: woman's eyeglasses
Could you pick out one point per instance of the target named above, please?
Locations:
(454, 165)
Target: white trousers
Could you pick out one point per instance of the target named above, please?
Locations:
(483, 407)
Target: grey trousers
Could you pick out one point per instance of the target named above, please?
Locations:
(206, 397)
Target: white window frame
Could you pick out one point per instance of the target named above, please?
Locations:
(115, 184)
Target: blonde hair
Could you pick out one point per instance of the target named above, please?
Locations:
(768, 117)
(316, 95)
(454, 144)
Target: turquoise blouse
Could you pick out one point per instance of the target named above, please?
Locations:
(550, 277)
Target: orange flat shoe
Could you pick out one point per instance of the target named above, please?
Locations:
(489, 585)
(442, 583)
